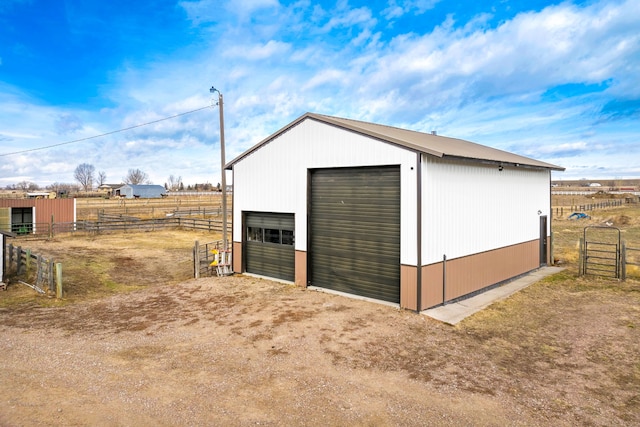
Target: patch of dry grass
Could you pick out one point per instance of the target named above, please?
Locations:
(89, 208)
(567, 234)
(577, 336)
(97, 265)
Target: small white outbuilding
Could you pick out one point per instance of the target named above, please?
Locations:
(411, 218)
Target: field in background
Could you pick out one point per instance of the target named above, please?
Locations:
(97, 265)
(209, 205)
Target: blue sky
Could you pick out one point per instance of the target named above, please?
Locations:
(556, 81)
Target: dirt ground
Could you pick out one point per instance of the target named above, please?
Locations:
(245, 351)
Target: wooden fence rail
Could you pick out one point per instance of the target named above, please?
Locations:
(45, 275)
(121, 224)
(137, 224)
(202, 211)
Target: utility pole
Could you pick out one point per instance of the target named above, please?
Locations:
(222, 164)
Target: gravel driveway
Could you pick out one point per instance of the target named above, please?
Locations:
(244, 351)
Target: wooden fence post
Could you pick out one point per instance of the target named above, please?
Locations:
(58, 280)
(196, 260)
(28, 260)
(39, 271)
(18, 260)
(581, 258)
(10, 256)
(623, 262)
(51, 282)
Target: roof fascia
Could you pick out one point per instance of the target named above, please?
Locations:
(376, 135)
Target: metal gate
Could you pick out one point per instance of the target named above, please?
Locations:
(600, 252)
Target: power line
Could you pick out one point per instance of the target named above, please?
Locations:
(104, 134)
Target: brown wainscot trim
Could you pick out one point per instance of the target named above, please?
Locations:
(408, 287)
(301, 269)
(474, 272)
(237, 257)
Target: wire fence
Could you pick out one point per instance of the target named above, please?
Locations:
(560, 210)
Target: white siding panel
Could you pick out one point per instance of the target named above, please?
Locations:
(470, 208)
(274, 177)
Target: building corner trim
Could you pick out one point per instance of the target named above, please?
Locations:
(419, 232)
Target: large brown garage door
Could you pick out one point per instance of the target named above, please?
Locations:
(354, 231)
(269, 245)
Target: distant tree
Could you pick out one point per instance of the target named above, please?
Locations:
(174, 183)
(136, 176)
(181, 188)
(102, 178)
(56, 186)
(26, 186)
(219, 187)
(84, 175)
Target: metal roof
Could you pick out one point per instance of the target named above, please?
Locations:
(145, 190)
(427, 143)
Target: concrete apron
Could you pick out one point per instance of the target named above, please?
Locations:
(455, 312)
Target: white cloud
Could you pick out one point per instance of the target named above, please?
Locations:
(208, 11)
(344, 18)
(67, 124)
(393, 11)
(397, 8)
(474, 80)
(258, 52)
(535, 51)
(325, 77)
